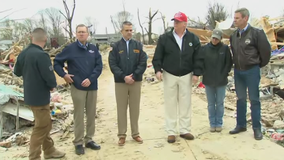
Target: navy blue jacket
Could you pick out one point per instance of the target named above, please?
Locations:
(82, 62)
(122, 63)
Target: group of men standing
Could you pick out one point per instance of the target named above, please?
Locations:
(178, 61)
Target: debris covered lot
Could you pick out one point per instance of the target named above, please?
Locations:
(16, 119)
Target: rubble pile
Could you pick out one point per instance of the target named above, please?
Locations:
(271, 87)
(273, 27)
(14, 115)
(149, 75)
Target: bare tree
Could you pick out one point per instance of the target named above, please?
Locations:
(216, 12)
(163, 17)
(119, 18)
(29, 24)
(69, 17)
(7, 32)
(92, 24)
(196, 23)
(43, 21)
(142, 29)
(150, 20)
(113, 24)
(5, 10)
(15, 30)
(21, 29)
(55, 18)
(9, 13)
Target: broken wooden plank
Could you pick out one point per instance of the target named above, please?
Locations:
(24, 111)
(18, 116)
(1, 122)
(56, 131)
(66, 126)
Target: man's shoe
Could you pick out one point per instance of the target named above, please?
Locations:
(257, 134)
(171, 139)
(212, 129)
(187, 136)
(138, 139)
(218, 129)
(238, 130)
(121, 141)
(92, 145)
(54, 155)
(79, 149)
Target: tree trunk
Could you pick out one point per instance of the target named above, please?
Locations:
(70, 29)
(142, 29)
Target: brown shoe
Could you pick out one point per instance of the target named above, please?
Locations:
(121, 141)
(56, 154)
(138, 139)
(171, 139)
(187, 136)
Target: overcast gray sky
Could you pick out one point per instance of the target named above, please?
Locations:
(102, 9)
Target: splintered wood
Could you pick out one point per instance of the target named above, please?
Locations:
(66, 126)
(5, 144)
(269, 31)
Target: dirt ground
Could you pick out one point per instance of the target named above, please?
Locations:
(206, 146)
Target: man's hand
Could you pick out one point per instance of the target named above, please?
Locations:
(86, 83)
(68, 78)
(128, 79)
(195, 79)
(159, 76)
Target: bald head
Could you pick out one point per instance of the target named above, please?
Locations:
(39, 35)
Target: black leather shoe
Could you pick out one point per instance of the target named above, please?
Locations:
(238, 130)
(257, 134)
(93, 145)
(79, 149)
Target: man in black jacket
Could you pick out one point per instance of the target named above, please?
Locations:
(251, 51)
(35, 66)
(128, 62)
(175, 60)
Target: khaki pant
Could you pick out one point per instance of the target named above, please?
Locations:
(128, 95)
(83, 100)
(177, 95)
(40, 138)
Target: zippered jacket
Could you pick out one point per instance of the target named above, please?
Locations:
(169, 57)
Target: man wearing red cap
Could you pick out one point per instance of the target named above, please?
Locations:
(176, 62)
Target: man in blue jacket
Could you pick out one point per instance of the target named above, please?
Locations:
(84, 68)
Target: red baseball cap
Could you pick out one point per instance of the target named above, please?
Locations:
(180, 17)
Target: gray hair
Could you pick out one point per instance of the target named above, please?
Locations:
(128, 23)
(244, 12)
(39, 34)
(82, 25)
